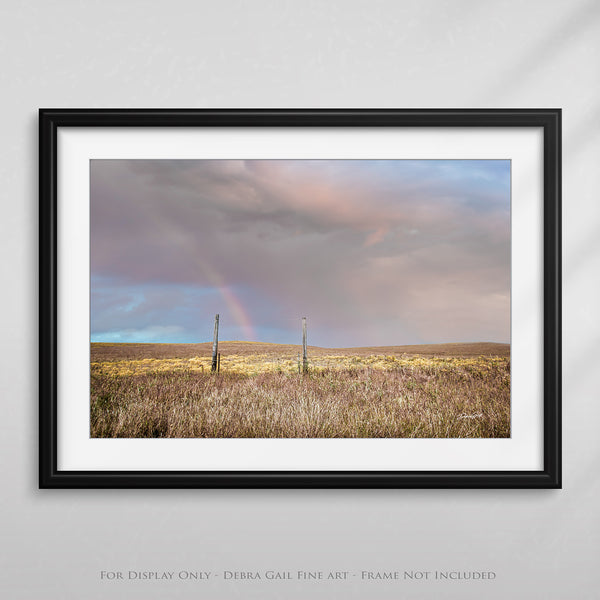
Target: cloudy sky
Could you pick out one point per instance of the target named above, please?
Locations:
(371, 252)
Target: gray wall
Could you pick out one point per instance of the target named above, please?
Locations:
(425, 53)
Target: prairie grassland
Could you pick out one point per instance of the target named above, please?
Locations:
(259, 393)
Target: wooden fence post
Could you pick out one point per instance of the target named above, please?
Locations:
(215, 345)
(219, 363)
(304, 356)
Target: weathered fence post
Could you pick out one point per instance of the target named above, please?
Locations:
(219, 363)
(304, 357)
(215, 344)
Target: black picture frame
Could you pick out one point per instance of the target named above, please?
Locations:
(52, 120)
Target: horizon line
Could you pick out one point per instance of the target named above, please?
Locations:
(300, 343)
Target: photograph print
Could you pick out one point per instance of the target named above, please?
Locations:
(300, 298)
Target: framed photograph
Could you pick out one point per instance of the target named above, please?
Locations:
(300, 298)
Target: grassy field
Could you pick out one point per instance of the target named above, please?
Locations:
(168, 390)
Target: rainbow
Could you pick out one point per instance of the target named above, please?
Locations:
(215, 279)
(232, 302)
(239, 313)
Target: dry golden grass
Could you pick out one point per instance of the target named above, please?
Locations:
(109, 352)
(154, 390)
